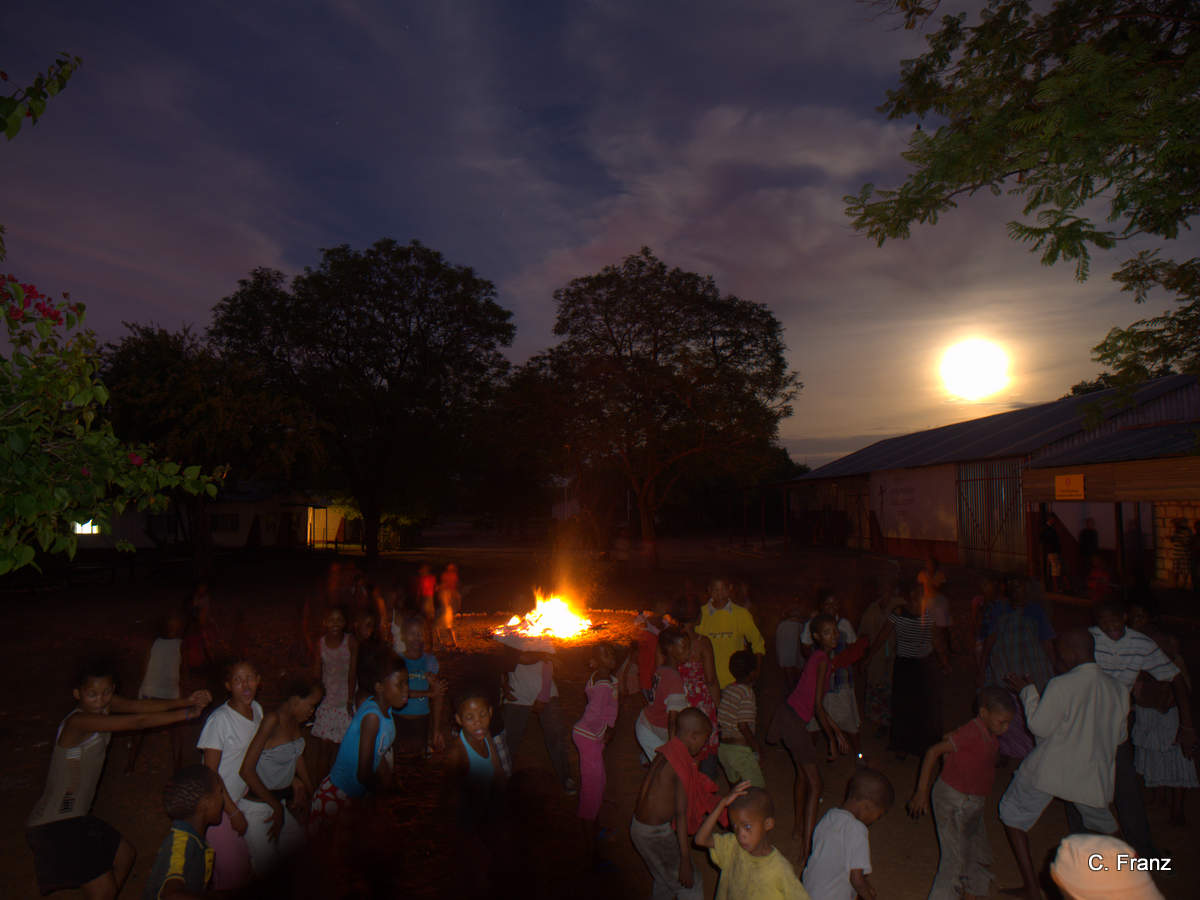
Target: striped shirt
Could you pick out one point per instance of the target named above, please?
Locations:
(914, 635)
(183, 856)
(737, 705)
(1134, 652)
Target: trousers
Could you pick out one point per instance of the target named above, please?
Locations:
(592, 776)
(966, 854)
(554, 734)
(658, 847)
(1131, 810)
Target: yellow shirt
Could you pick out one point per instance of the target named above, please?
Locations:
(730, 629)
(748, 877)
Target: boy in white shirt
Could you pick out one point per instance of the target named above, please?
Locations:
(841, 853)
(1078, 722)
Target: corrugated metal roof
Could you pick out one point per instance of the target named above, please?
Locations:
(1180, 439)
(1017, 433)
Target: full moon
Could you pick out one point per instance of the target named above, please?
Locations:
(974, 369)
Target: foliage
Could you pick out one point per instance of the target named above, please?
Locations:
(1089, 109)
(60, 462)
(391, 349)
(657, 367)
(29, 102)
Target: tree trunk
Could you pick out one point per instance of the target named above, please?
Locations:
(371, 518)
(646, 510)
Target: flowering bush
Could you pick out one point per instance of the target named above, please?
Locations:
(60, 462)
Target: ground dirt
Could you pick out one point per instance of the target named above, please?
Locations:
(404, 845)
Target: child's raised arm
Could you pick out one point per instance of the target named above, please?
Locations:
(704, 837)
(859, 882)
(124, 706)
(919, 803)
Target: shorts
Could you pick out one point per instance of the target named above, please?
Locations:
(71, 852)
(1023, 804)
(740, 764)
(792, 731)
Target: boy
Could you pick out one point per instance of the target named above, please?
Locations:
(193, 800)
(530, 689)
(419, 723)
(737, 716)
(1079, 722)
(841, 853)
(960, 796)
(750, 866)
(673, 800)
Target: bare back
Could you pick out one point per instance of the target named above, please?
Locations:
(656, 799)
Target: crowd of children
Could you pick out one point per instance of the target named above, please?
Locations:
(693, 669)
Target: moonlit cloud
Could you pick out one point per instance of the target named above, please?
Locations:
(535, 142)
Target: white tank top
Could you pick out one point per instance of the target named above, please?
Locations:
(162, 671)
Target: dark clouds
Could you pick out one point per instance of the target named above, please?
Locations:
(535, 142)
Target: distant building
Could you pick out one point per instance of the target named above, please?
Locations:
(977, 492)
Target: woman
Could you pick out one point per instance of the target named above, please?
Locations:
(877, 698)
(699, 672)
(922, 661)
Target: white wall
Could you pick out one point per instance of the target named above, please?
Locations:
(917, 504)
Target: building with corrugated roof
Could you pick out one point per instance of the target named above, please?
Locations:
(976, 493)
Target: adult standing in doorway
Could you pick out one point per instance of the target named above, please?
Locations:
(729, 627)
(1052, 549)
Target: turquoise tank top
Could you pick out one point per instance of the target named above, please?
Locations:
(344, 774)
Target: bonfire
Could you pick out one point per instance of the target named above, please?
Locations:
(551, 617)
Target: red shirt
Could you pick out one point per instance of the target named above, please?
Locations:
(668, 683)
(971, 767)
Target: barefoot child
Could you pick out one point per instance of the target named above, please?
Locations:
(750, 866)
(841, 852)
(593, 731)
(274, 771)
(160, 681)
(803, 705)
(72, 848)
(360, 765)
(673, 801)
(336, 664)
(737, 717)
(960, 797)
(840, 701)
(226, 736)
(192, 799)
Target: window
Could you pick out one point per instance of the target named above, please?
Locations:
(86, 528)
(224, 522)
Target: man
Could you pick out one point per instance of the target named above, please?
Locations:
(1079, 722)
(730, 628)
(1122, 653)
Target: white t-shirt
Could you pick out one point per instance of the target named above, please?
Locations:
(162, 670)
(231, 733)
(525, 682)
(839, 845)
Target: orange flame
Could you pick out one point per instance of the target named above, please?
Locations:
(550, 617)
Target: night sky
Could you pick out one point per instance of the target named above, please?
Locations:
(534, 142)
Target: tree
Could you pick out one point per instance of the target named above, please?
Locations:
(172, 390)
(60, 462)
(659, 368)
(391, 348)
(1093, 106)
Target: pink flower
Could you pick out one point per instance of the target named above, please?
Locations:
(135, 459)
(85, 472)
(16, 312)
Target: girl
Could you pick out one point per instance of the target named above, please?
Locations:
(668, 697)
(917, 675)
(226, 736)
(839, 702)
(360, 765)
(699, 673)
(336, 661)
(274, 771)
(72, 848)
(1156, 753)
(877, 705)
(790, 725)
(474, 758)
(160, 681)
(593, 731)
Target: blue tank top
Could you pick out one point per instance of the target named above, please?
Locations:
(480, 771)
(344, 773)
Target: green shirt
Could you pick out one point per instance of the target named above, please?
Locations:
(730, 629)
(748, 877)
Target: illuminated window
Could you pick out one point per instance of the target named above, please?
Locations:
(86, 528)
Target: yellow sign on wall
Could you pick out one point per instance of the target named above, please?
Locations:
(1068, 487)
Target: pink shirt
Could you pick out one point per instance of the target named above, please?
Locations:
(601, 710)
(669, 695)
(804, 698)
(971, 767)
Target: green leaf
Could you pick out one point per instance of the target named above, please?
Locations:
(13, 122)
(22, 555)
(191, 473)
(210, 489)
(83, 398)
(18, 441)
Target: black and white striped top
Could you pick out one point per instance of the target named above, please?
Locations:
(914, 634)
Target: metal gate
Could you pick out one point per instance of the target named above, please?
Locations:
(991, 516)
